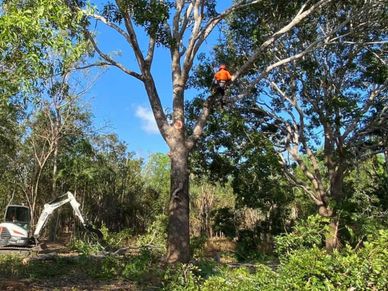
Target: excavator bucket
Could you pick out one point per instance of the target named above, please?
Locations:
(94, 233)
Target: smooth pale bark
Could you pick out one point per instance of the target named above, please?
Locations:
(332, 239)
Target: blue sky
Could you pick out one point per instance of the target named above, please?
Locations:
(119, 102)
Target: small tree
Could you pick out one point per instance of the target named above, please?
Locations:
(39, 42)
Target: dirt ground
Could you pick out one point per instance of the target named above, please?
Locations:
(72, 284)
(67, 282)
(75, 282)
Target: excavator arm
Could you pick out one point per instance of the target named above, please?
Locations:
(58, 202)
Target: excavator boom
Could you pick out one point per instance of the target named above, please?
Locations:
(50, 207)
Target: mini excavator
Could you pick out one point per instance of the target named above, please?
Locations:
(16, 232)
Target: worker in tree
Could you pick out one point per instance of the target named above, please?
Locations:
(221, 79)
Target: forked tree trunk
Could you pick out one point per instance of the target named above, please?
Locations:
(178, 220)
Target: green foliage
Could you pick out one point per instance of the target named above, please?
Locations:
(234, 152)
(364, 268)
(85, 248)
(316, 269)
(247, 245)
(156, 235)
(151, 15)
(181, 277)
(364, 210)
(197, 245)
(156, 175)
(141, 267)
(46, 269)
(306, 234)
(108, 267)
(30, 33)
(10, 266)
(115, 240)
(259, 278)
(375, 265)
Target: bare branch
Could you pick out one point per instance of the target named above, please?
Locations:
(112, 61)
(99, 64)
(297, 182)
(201, 121)
(178, 8)
(295, 21)
(108, 23)
(199, 36)
(185, 20)
(133, 40)
(365, 108)
(320, 41)
(150, 52)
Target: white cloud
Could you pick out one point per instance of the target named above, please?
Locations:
(148, 120)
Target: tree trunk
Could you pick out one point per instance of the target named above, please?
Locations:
(332, 241)
(331, 237)
(178, 220)
(54, 222)
(337, 181)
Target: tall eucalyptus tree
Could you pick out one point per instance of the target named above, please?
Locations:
(182, 27)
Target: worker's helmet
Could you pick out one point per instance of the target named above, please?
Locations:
(222, 67)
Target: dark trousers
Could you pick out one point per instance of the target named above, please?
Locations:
(221, 87)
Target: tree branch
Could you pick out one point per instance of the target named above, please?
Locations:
(296, 20)
(108, 23)
(112, 61)
(201, 121)
(310, 48)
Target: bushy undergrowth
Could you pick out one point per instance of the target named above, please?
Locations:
(111, 241)
(115, 240)
(85, 248)
(304, 265)
(314, 268)
(156, 235)
(259, 278)
(306, 235)
(10, 266)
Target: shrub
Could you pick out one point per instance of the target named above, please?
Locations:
(142, 267)
(247, 245)
(306, 234)
(85, 248)
(10, 266)
(108, 267)
(348, 269)
(224, 221)
(197, 245)
(181, 277)
(156, 235)
(375, 263)
(116, 240)
(262, 278)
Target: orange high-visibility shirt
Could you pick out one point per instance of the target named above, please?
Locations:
(223, 75)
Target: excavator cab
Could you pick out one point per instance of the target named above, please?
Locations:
(14, 231)
(19, 215)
